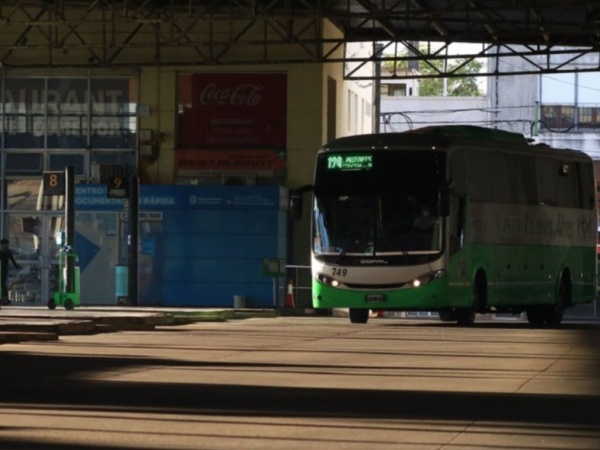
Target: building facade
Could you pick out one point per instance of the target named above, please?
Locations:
(246, 127)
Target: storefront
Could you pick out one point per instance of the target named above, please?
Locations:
(198, 246)
(85, 120)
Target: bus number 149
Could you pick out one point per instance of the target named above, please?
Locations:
(340, 272)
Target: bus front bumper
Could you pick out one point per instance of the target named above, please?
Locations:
(427, 296)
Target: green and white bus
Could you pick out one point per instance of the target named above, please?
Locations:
(456, 219)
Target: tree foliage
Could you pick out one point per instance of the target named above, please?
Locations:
(463, 86)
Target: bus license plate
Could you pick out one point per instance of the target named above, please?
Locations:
(375, 298)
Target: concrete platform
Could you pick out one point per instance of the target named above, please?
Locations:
(14, 337)
(38, 323)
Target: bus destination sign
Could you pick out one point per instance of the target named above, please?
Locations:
(350, 162)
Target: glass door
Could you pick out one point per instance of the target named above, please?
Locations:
(96, 245)
(32, 240)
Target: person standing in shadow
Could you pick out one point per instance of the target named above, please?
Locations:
(6, 256)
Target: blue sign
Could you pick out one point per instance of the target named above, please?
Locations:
(169, 197)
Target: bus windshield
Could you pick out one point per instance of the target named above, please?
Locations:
(378, 203)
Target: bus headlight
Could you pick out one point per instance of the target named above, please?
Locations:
(428, 277)
(327, 280)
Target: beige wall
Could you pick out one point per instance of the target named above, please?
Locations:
(158, 88)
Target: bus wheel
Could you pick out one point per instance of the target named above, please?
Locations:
(359, 315)
(466, 316)
(554, 313)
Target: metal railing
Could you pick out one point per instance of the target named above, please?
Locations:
(301, 279)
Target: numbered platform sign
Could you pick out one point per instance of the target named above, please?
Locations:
(54, 183)
(117, 187)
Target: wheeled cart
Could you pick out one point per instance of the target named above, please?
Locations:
(65, 297)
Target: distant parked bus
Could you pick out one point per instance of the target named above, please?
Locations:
(457, 219)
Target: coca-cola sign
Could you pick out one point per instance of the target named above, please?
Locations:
(232, 110)
(245, 94)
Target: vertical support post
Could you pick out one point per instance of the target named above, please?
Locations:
(377, 50)
(132, 242)
(70, 228)
(576, 107)
(535, 128)
(2, 150)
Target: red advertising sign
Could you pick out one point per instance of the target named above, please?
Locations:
(232, 110)
(193, 163)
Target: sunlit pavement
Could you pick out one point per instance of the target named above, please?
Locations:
(306, 382)
(37, 323)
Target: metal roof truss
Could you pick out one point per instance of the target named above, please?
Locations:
(547, 36)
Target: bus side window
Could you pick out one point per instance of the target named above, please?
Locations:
(457, 223)
(456, 194)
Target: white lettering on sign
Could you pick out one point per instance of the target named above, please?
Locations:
(195, 200)
(97, 201)
(67, 112)
(80, 190)
(25, 101)
(168, 201)
(104, 126)
(243, 95)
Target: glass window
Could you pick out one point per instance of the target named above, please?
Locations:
(114, 105)
(585, 115)
(25, 121)
(397, 90)
(369, 203)
(561, 116)
(127, 158)
(546, 171)
(24, 232)
(110, 164)
(567, 185)
(557, 183)
(489, 177)
(23, 194)
(588, 183)
(524, 179)
(24, 163)
(67, 112)
(60, 161)
(457, 172)
(566, 116)
(588, 117)
(27, 195)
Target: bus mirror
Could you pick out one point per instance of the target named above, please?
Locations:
(444, 200)
(296, 201)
